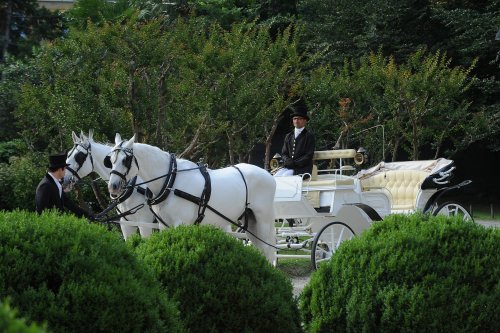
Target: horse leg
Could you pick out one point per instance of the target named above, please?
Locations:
(145, 231)
(262, 233)
(127, 230)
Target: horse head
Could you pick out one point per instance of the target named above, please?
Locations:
(79, 159)
(121, 163)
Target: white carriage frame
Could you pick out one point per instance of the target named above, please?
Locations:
(351, 202)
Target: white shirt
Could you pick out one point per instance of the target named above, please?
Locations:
(59, 186)
(298, 131)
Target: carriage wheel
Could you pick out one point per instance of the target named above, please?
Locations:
(453, 209)
(328, 240)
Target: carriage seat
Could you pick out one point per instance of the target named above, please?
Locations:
(329, 155)
(330, 182)
(403, 185)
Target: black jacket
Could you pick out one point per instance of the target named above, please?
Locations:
(47, 197)
(300, 158)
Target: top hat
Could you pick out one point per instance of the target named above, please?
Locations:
(300, 110)
(302, 114)
(57, 161)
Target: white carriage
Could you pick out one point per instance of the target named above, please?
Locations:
(317, 214)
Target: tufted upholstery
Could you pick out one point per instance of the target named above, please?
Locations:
(403, 186)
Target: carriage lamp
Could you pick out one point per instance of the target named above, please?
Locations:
(276, 161)
(361, 156)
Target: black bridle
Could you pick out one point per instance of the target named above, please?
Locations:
(127, 162)
(80, 159)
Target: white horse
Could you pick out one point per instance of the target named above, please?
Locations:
(88, 156)
(177, 184)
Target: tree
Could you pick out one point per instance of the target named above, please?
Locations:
(463, 29)
(97, 12)
(421, 103)
(23, 25)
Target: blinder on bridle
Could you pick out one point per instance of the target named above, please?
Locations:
(80, 158)
(127, 162)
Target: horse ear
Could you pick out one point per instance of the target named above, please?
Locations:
(76, 139)
(82, 136)
(91, 134)
(118, 138)
(130, 143)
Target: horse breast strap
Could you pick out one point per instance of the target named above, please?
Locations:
(203, 200)
(167, 185)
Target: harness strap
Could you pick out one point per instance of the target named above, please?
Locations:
(199, 201)
(158, 218)
(205, 195)
(246, 211)
(128, 192)
(167, 185)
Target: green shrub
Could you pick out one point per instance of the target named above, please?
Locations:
(409, 274)
(220, 284)
(9, 323)
(78, 277)
(19, 179)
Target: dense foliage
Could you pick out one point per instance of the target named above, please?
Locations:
(11, 323)
(78, 277)
(220, 284)
(216, 79)
(407, 274)
(419, 102)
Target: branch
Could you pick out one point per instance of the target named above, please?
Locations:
(192, 146)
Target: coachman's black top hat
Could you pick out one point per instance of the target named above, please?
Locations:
(300, 110)
(57, 161)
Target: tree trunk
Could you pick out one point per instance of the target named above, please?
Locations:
(161, 105)
(230, 144)
(395, 150)
(98, 195)
(6, 30)
(136, 126)
(269, 139)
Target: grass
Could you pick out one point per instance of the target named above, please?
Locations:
(483, 212)
(294, 267)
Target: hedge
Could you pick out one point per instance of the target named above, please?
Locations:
(78, 277)
(220, 284)
(409, 274)
(10, 323)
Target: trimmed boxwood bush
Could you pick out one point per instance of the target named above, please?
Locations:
(220, 284)
(78, 277)
(409, 274)
(10, 323)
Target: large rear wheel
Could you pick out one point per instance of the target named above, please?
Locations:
(327, 241)
(452, 209)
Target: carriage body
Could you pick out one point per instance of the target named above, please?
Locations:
(334, 204)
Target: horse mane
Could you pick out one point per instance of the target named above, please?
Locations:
(109, 144)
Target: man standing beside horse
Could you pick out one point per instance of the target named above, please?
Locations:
(49, 193)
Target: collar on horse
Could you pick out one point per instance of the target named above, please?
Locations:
(80, 158)
(167, 184)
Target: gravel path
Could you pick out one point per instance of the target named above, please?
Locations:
(299, 283)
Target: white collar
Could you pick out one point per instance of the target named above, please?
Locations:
(297, 131)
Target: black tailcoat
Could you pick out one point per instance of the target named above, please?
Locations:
(300, 150)
(47, 197)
